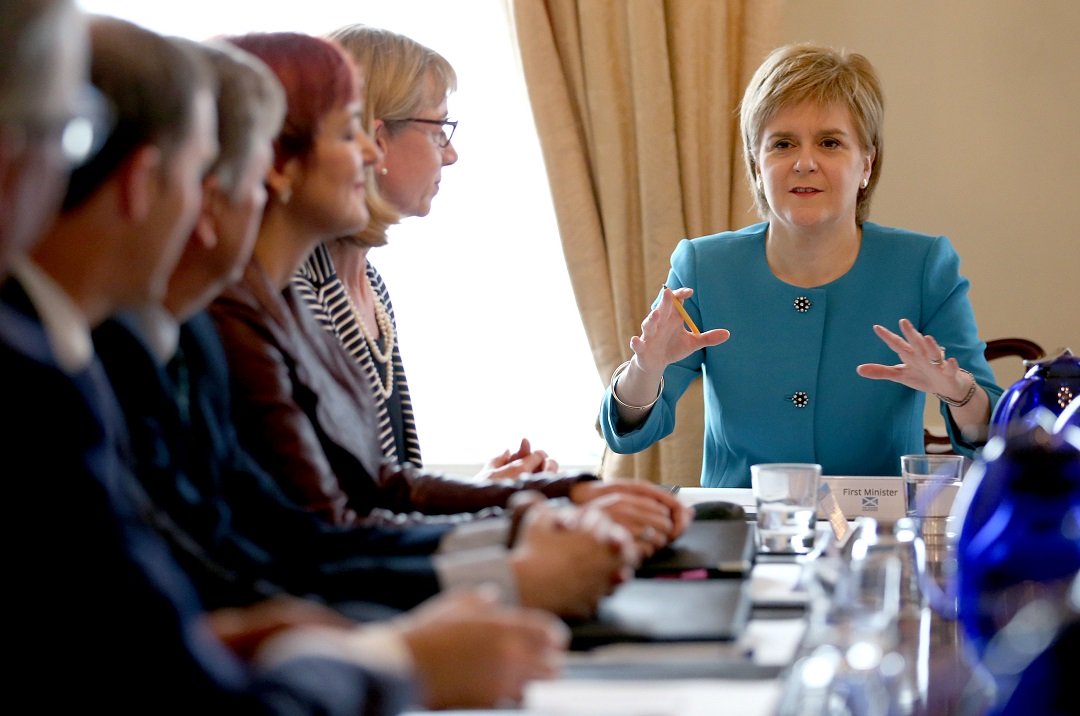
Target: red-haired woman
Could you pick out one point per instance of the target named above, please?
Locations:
(317, 185)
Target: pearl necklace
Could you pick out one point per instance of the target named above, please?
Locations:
(386, 330)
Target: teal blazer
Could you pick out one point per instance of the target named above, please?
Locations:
(783, 388)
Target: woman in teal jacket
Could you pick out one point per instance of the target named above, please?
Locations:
(797, 362)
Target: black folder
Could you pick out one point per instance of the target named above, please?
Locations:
(718, 548)
(696, 589)
(667, 610)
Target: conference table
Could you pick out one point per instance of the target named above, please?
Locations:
(745, 676)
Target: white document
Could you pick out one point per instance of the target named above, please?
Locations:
(652, 698)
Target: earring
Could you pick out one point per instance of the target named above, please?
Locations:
(865, 182)
(384, 171)
(284, 195)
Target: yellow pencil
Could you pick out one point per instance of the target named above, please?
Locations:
(685, 316)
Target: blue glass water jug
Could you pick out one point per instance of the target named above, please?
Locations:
(1069, 420)
(1048, 386)
(1020, 532)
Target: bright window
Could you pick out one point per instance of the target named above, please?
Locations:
(490, 333)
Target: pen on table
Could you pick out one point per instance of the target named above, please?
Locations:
(685, 316)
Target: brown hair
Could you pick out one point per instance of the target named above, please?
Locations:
(151, 83)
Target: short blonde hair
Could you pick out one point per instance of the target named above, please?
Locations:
(402, 77)
(798, 73)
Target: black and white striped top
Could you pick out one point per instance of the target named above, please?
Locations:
(317, 283)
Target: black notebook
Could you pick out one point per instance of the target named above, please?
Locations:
(657, 610)
(718, 548)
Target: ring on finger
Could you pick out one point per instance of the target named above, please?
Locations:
(938, 361)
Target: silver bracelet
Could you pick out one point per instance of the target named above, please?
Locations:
(641, 408)
(949, 401)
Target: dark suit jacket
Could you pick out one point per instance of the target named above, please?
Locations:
(102, 617)
(245, 531)
(305, 412)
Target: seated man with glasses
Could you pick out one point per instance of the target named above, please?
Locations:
(50, 118)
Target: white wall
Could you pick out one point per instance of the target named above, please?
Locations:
(982, 143)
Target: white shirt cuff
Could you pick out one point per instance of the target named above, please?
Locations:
(377, 647)
(493, 532)
(470, 568)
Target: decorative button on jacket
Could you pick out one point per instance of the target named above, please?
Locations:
(803, 304)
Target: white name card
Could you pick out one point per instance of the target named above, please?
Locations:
(879, 497)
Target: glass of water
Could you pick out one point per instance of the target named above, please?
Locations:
(786, 498)
(931, 483)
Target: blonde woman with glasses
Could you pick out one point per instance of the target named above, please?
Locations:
(406, 114)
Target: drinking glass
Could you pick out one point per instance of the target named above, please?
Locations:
(786, 497)
(931, 483)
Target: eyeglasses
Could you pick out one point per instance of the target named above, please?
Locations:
(77, 135)
(442, 139)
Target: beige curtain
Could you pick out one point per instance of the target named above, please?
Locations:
(635, 102)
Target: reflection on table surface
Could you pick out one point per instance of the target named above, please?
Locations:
(746, 677)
